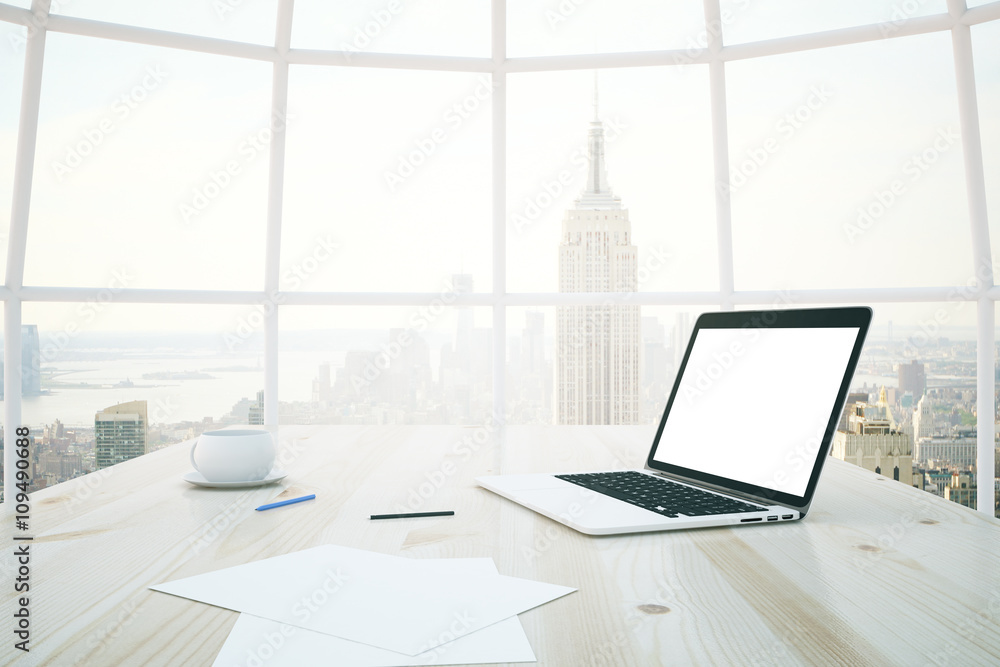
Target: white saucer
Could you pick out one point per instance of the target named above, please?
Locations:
(196, 478)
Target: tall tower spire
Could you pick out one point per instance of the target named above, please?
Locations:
(598, 194)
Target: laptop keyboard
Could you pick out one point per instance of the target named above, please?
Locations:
(659, 495)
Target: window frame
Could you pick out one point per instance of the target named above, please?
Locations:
(958, 21)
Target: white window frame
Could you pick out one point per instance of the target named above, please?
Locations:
(958, 20)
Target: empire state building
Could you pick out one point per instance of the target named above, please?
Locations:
(597, 347)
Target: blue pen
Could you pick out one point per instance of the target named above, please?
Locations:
(286, 502)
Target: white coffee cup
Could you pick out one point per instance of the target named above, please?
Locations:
(237, 455)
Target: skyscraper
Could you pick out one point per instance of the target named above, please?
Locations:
(120, 433)
(31, 378)
(912, 378)
(872, 441)
(597, 347)
(255, 416)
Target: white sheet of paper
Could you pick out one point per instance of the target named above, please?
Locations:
(385, 601)
(262, 641)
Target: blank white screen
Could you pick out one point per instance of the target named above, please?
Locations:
(753, 404)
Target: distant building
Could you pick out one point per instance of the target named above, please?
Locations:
(460, 366)
(322, 388)
(955, 450)
(256, 411)
(533, 343)
(31, 362)
(598, 347)
(61, 466)
(853, 399)
(679, 337)
(120, 433)
(911, 378)
(934, 480)
(656, 365)
(962, 489)
(535, 373)
(924, 424)
(240, 412)
(873, 442)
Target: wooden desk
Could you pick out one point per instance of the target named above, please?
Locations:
(877, 574)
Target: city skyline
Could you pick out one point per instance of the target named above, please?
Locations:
(928, 400)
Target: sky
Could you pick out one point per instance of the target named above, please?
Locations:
(846, 166)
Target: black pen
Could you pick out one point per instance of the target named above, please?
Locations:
(409, 516)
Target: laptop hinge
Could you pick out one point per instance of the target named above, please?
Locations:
(757, 500)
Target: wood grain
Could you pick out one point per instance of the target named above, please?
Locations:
(877, 574)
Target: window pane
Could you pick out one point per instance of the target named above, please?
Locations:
(182, 368)
(537, 361)
(226, 19)
(428, 364)
(910, 412)
(913, 398)
(149, 160)
(846, 168)
(391, 170)
(12, 43)
(986, 54)
(751, 21)
(443, 28)
(602, 26)
(658, 155)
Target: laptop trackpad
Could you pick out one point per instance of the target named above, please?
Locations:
(583, 508)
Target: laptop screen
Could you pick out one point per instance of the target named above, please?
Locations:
(753, 404)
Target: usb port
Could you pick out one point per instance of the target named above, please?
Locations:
(772, 518)
(786, 516)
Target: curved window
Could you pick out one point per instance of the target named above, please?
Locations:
(383, 194)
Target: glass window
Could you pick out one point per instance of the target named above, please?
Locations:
(846, 168)
(225, 19)
(391, 171)
(12, 44)
(919, 367)
(910, 413)
(181, 369)
(443, 28)
(602, 26)
(152, 161)
(757, 20)
(548, 373)
(656, 127)
(427, 364)
(986, 54)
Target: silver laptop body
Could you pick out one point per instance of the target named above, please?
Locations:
(749, 421)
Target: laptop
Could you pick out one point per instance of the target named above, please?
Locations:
(743, 438)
